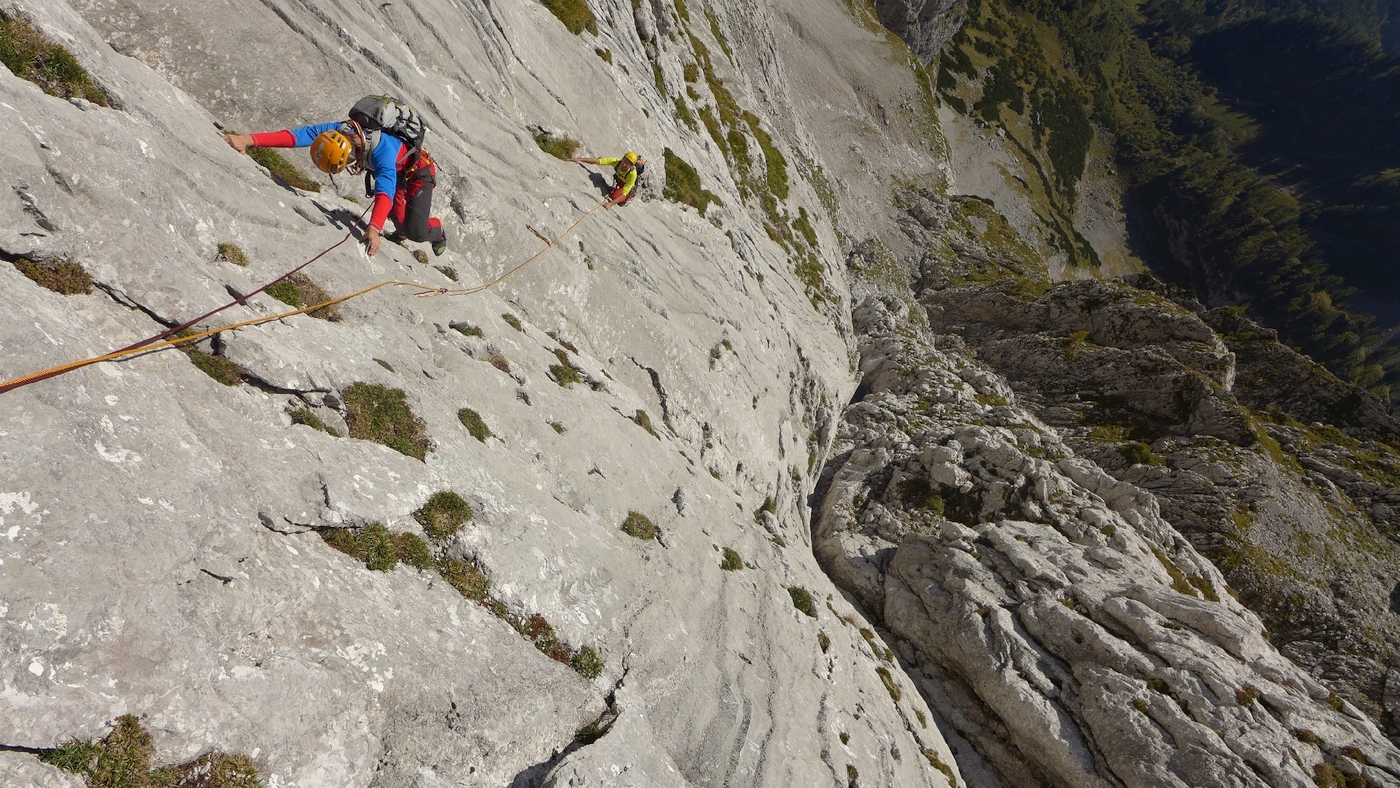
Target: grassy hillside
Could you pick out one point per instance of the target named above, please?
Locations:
(1222, 118)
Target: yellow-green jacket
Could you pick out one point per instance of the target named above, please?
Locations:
(628, 181)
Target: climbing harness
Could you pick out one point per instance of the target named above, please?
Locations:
(160, 341)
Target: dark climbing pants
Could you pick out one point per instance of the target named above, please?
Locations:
(413, 211)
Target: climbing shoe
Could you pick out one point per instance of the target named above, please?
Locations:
(440, 246)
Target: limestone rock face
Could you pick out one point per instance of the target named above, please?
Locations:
(161, 545)
(1069, 632)
(926, 25)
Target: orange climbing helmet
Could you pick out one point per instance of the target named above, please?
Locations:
(332, 152)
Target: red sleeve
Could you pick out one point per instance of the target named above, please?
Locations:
(275, 139)
(382, 204)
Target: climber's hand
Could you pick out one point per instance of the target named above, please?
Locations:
(239, 142)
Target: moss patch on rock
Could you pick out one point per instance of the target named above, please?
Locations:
(282, 169)
(297, 290)
(381, 414)
(639, 526)
(378, 549)
(564, 148)
(61, 276)
(683, 184)
(31, 55)
(474, 424)
(575, 14)
(122, 759)
(443, 514)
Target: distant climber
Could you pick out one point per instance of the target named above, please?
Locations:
(626, 168)
(383, 139)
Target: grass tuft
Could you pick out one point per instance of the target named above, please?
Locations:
(297, 290)
(768, 506)
(443, 514)
(683, 184)
(231, 253)
(123, 760)
(565, 373)
(732, 561)
(512, 321)
(474, 424)
(563, 148)
(421, 256)
(379, 549)
(464, 576)
(639, 526)
(381, 414)
(301, 415)
(64, 277)
(283, 170)
(802, 600)
(587, 663)
(575, 14)
(30, 55)
(644, 421)
(446, 270)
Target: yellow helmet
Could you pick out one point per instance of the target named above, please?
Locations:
(630, 157)
(332, 152)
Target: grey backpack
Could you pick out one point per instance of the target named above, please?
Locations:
(391, 116)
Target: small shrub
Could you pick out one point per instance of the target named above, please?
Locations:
(469, 581)
(1247, 694)
(824, 641)
(564, 343)
(1305, 736)
(605, 54)
(683, 184)
(575, 14)
(639, 525)
(539, 631)
(1140, 705)
(1158, 685)
(732, 561)
(852, 773)
(30, 55)
(443, 514)
(499, 362)
(474, 424)
(1139, 453)
(412, 550)
(468, 331)
(421, 256)
(231, 253)
(64, 277)
(563, 148)
(644, 421)
(297, 290)
(559, 428)
(282, 169)
(802, 600)
(446, 270)
(768, 506)
(381, 414)
(301, 415)
(381, 362)
(587, 663)
(565, 373)
(512, 321)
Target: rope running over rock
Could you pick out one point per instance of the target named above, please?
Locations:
(155, 343)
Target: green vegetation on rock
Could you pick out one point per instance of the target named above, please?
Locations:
(802, 600)
(28, 54)
(122, 759)
(443, 514)
(732, 561)
(575, 14)
(298, 291)
(475, 425)
(381, 414)
(639, 526)
(282, 169)
(61, 276)
(683, 184)
(558, 147)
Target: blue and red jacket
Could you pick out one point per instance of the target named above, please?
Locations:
(386, 160)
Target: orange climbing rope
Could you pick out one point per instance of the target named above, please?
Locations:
(154, 343)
